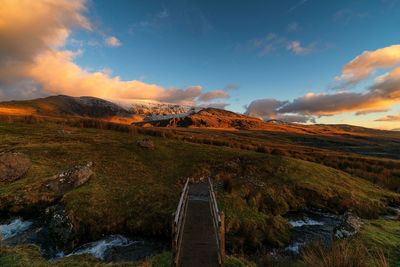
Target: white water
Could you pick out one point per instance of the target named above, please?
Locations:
(304, 221)
(295, 247)
(14, 228)
(99, 248)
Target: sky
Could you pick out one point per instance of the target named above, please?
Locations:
(307, 61)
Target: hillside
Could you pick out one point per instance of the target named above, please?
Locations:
(209, 118)
(92, 107)
(135, 190)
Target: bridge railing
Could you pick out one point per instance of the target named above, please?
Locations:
(219, 223)
(178, 223)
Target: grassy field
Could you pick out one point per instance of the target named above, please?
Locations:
(135, 190)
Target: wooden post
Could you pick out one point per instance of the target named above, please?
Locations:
(173, 245)
(222, 237)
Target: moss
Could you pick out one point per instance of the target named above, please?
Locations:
(162, 260)
(382, 235)
(232, 261)
(27, 255)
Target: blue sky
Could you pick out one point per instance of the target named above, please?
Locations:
(278, 50)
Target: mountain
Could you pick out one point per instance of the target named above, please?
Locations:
(396, 129)
(63, 105)
(210, 118)
(85, 106)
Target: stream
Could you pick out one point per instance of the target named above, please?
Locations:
(310, 227)
(307, 227)
(111, 248)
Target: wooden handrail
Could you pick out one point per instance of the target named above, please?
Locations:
(219, 223)
(178, 223)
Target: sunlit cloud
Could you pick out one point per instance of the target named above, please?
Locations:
(214, 95)
(34, 62)
(378, 97)
(368, 62)
(113, 41)
(389, 118)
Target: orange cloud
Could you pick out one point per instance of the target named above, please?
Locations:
(379, 97)
(32, 36)
(389, 118)
(365, 64)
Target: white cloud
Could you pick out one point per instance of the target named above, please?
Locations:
(298, 49)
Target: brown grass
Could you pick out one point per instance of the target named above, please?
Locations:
(342, 254)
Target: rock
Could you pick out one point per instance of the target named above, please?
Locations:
(71, 179)
(146, 143)
(59, 227)
(13, 166)
(350, 225)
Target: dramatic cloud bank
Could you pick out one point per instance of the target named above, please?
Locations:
(33, 62)
(379, 97)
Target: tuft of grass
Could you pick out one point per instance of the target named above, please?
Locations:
(232, 261)
(161, 260)
(382, 237)
(341, 254)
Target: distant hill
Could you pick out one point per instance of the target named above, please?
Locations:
(396, 129)
(157, 114)
(85, 106)
(210, 118)
(63, 105)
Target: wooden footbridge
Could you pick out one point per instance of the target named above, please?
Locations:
(198, 227)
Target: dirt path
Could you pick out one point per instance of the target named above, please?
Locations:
(199, 247)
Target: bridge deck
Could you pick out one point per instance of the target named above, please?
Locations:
(199, 246)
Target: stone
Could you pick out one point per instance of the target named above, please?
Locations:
(71, 178)
(146, 143)
(59, 227)
(349, 226)
(13, 166)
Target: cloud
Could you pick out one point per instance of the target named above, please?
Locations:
(268, 109)
(364, 65)
(274, 43)
(216, 105)
(34, 62)
(292, 27)
(378, 97)
(231, 87)
(297, 49)
(389, 118)
(113, 41)
(297, 5)
(346, 15)
(213, 95)
(28, 28)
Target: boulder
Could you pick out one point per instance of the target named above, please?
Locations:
(59, 227)
(13, 166)
(70, 179)
(350, 225)
(146, 143)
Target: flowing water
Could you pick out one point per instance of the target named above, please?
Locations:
(310, 227)
(14, 227)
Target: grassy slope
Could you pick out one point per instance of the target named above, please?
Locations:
(29, 255)
(382, 235)
(136, 190)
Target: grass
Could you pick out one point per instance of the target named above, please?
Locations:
(135, 190)
(382, 235)
(257, 193)
(29, 255)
